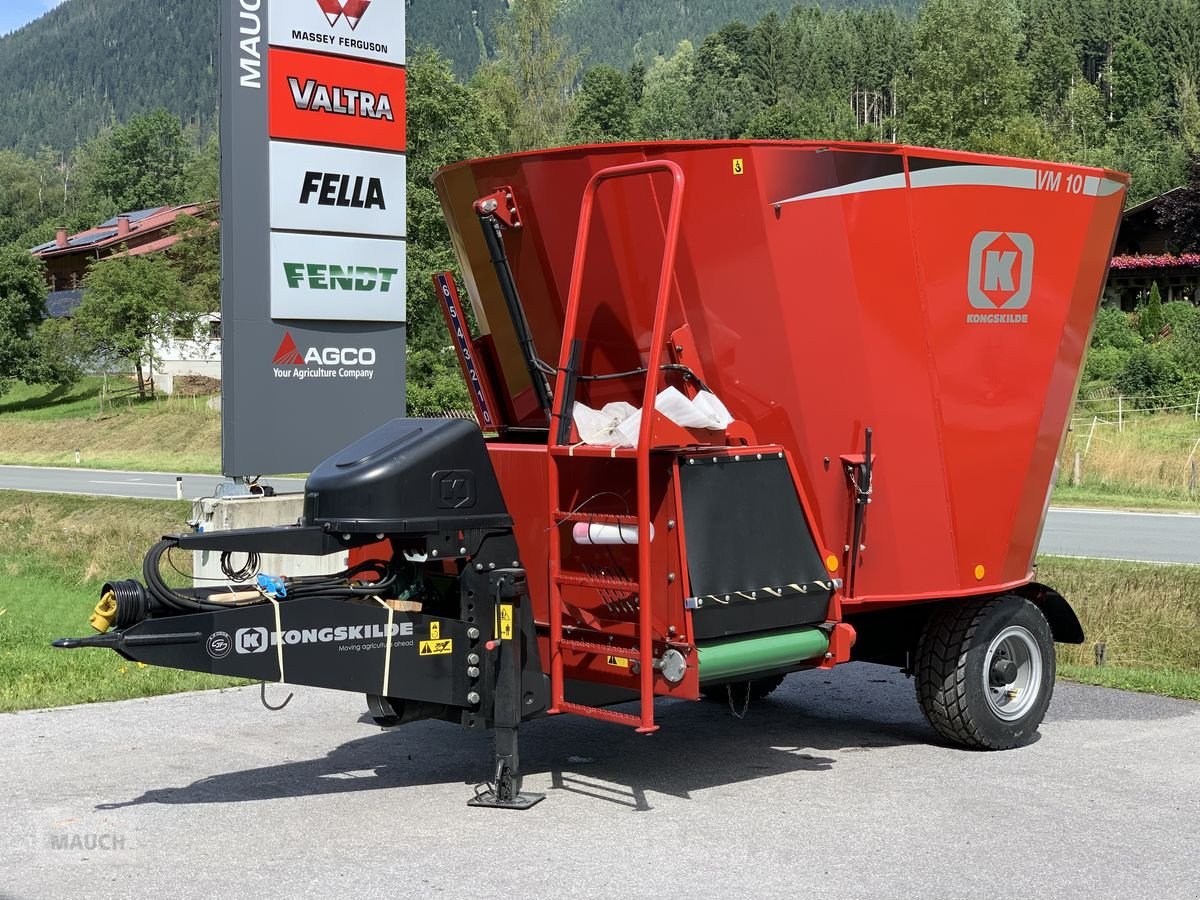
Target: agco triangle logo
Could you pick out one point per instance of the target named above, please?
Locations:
(353, 10)
(288, 353)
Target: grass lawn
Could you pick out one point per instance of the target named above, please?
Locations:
(42, 426)
(1147, 616)
(55, 552)
(1147, 464)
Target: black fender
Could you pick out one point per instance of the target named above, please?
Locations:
(1064, 624)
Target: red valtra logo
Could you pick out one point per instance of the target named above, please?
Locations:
(288, 353)
(353, 10)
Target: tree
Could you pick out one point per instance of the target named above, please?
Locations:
(22, 308)
(665, 112)
(1136, 83)
(141, 164)
(967, 83)
(447, 122)
(603, 107)
(130, 303)
(768, 59)
(1052, 60)
(1150, 321)
(1179, 211)
(536, 60)
(197, 260)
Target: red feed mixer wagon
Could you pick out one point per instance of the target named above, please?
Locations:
(746, 407)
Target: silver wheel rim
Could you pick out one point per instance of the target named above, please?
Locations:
(1013, 700)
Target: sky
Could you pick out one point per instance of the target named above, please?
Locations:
(15, 13)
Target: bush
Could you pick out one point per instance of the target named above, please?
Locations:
(1104, 364)
(1114, 329)
(1150, 372)
(1180, 316)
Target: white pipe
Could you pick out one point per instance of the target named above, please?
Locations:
(606, 533)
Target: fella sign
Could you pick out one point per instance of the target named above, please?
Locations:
(312, 226)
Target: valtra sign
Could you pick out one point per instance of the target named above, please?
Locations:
(331, 100)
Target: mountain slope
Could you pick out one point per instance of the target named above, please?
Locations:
(88, 63)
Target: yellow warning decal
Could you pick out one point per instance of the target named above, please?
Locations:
(435, 631)
(506, 621)
(739, 167)
(619, 661)
(437, 648)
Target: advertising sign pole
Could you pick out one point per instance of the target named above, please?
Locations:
(312, 228)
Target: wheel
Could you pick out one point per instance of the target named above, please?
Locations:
(760, 689)
(985, 671)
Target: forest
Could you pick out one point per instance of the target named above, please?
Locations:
(1100, 82)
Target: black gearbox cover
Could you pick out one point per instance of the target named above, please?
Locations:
(408, 476)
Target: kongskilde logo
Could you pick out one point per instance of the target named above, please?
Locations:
(322, 362)
(312, 96)
(353, 10)
(259, 639)
(1000, 276)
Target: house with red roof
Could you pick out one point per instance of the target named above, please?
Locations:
(143, 231)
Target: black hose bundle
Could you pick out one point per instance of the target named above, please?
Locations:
(341, 586)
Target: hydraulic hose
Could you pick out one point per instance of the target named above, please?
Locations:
(340, 586)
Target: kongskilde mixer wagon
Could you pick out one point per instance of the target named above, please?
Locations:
(746, 408)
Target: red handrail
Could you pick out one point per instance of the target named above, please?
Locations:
(657, 344)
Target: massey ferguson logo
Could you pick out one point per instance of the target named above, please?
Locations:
(353, 10)
(312, 96)
(1000, 276)
(322, 362)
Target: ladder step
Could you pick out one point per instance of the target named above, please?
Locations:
(608, 518)
(605, 715)
(599, 649)
(590, 451)
(599, 581)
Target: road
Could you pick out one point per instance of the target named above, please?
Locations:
(1152, 537)
(833, 787)
(105, 483)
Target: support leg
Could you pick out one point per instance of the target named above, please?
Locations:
(505, 791)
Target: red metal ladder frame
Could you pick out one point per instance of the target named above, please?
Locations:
(555, 451)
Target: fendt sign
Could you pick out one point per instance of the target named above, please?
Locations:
(313, 227)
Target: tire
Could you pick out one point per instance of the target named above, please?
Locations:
(760, 689)
(985, 671)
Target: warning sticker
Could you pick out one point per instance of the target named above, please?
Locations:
(739, 167)
(435, 631)
(437, 648)
(619, 661)
(506, 621)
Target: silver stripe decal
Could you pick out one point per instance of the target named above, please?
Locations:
(882, 183)
(988, 176)
(959, 176)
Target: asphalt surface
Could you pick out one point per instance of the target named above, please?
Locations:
(1152, 537)
(106, 483)
(833, 787)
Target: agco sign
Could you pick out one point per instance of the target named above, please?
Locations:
(322, 362)
(1000, 276)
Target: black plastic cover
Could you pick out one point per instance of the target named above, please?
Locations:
(749, 549)
(408, 476)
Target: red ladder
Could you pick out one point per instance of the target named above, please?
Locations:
(558, 453)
